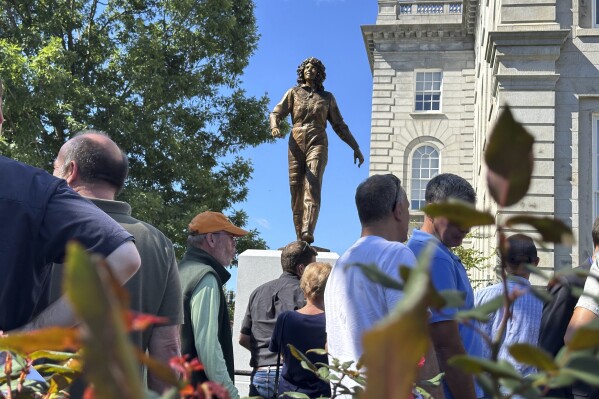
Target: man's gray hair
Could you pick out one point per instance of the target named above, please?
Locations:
(446, 185)
(96, 164)
(377, 197)
(195, 240)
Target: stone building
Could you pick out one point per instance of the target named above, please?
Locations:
(444, 69)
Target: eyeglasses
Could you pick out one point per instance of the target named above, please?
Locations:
(304, 246)
(397, 189)
(227, 234)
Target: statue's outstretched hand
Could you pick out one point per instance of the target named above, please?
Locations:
(358, 157)
(276, 133)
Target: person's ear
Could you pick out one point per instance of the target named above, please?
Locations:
(300, 269)
(536, 262)
(397, 213)
(210, 240)
(71, 172)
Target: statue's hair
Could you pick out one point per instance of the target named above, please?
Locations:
(320, 74)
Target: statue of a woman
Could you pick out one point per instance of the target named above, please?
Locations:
(310, 107)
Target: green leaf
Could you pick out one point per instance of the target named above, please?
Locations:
(541, 293)
(65, 371)
(584, 369)
(297, 395)
(53, 355)
(486, 383)
(460, 213)
(374, 274)
(551, 230)
(347, 365)
(158, 369)
(480, 313)
(52, 338)
(509, 160)
(585, 337)
(395, 346)
(537, 357)
(533, 269)
(324, 372)
(561, 380)
(317, 351)
(433, 382)
(107, 351)
(475, 365)
(306, 363)
(452, 298)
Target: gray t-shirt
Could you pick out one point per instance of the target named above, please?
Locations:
(266, 303)
(591, 287)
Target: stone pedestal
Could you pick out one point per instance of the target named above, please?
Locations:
(256, 267)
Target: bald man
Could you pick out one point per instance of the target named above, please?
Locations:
(39, 215)
(95, 167)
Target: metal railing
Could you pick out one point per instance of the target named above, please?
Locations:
(429, 8)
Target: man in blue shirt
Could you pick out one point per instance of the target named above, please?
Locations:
(448, 273)
(526, 310)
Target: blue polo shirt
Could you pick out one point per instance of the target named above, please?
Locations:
(448, 273)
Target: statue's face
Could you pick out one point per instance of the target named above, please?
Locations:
(310, 71)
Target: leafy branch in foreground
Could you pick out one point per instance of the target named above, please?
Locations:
(98, 349)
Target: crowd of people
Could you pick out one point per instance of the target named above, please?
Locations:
(311, 305)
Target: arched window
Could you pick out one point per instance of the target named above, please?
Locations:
(425, 165)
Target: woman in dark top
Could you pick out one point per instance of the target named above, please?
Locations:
(304, 329)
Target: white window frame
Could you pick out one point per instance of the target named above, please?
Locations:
(595, 169)
(426, 91)
(595, 9)
(411, 170)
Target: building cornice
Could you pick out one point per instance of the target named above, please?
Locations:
(373, 34)
(519, 38)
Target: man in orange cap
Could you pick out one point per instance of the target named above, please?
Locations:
(206, 331)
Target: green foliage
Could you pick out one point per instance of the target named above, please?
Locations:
(101, 343)
(161, 77)
(509, 160)
(88, 289)
(396, 345)
(472, 258)
(460, 213)
(551, 230)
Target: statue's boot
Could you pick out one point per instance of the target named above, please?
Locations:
(309, 223)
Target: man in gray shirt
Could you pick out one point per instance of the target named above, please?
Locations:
(266, 303)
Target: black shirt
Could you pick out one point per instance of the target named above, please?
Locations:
(266, 303)
(556, 316)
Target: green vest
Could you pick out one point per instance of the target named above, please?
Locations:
(196, 263)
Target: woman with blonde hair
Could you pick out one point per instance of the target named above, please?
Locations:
(305, 329)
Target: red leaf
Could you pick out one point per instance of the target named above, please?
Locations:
(141, 321)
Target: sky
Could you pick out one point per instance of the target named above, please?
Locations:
(291, 31)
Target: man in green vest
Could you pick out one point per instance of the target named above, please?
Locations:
(206, 331)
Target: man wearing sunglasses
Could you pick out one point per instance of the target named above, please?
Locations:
(265, 305)
(353, 302)
(206, 332)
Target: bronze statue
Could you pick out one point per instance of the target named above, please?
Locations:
(310, 107)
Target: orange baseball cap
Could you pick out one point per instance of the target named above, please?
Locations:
(211, 222)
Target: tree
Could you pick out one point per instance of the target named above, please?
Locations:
(161, 77)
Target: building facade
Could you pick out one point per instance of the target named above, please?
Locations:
(442, 72)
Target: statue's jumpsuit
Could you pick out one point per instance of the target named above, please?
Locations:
(308, 148)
